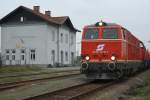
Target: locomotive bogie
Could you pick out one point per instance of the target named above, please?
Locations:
(109, 70)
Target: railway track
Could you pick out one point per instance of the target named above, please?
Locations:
(72, 93)
(12, 85)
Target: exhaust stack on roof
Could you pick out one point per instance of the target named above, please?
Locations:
(36, 8)
(48, 13)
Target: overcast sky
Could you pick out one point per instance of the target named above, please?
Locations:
(132, 14)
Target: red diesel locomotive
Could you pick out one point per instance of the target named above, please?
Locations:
(109, 51)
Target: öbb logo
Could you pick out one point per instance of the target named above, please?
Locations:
(100, 47)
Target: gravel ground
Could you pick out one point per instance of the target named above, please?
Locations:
(40, 88)
(116, 92)
(32, 77)
(51, 72)
(43, 70)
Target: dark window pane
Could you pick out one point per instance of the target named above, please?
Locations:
(91, 33)
(72, 57)
(13, 57)
(22, 51)
(32, 50)
(13, 51)
(22, 57)
(66, 56)
(53, 56)
(7, 51)
(61, 37)
(110, 34)
(33, 56)
(62, 57)
(7, 57)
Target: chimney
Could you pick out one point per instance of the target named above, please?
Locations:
(36, 8)
(48, 13)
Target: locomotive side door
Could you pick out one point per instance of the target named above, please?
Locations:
(124, 45)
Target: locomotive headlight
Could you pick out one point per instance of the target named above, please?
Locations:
(87, 58)
(113, 58)
(100, 23)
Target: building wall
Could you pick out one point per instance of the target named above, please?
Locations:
(51, 39)
(41, 37)
(61, 44)
(72, 46)
(64, 45)
(24, 36)
(69, 45)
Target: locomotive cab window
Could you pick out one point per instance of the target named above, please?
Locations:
(91, 33)
(109, 33)
(141, 45)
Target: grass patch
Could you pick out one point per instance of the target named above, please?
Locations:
(142, 90)
(13, 69)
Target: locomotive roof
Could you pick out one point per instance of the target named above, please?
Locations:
(106, 24)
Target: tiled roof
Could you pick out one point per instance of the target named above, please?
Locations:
(55, 20)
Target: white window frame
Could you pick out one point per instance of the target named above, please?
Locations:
(33, 54)
(21, 19)
(7, 54)
(7, 57)
(13, 54)
(23, 54)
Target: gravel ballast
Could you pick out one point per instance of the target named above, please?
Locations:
(117, 91)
